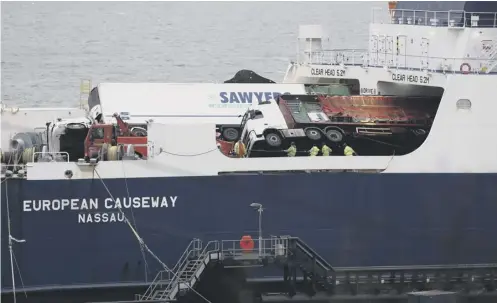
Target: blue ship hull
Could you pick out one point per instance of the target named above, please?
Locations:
(349, 219)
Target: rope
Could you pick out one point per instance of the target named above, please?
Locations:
(10, 243)
(162, 151)
(134, 221)
(20, 276)
(141, 241)
(12, 255)
(390, 161)
(133, 230)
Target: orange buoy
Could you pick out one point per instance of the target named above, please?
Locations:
(247, 244)
(392, 5)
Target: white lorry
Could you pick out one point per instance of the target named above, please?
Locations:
(222, 104)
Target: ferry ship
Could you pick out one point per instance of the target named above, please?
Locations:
(78, 219)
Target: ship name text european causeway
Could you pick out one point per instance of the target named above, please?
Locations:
(90, 207)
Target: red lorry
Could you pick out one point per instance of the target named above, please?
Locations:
(116, 139)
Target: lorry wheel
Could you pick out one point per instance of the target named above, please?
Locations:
(230, 134)
(419, 132)
(334, 135)
(313, 134)
(139, 132)
(273, 139)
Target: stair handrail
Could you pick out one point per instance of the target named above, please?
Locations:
(492, 65)
(153, 286)
(492, 58)
(205, 251)
(181, 268)
(493, 52)
(319, 258)
(176, 280)
(167, 290)
(492, 61)
(201, 257)
(195, 245)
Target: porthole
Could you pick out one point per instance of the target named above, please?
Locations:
(463, 104)
(68, 174)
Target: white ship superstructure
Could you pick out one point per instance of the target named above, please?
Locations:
(410, 52)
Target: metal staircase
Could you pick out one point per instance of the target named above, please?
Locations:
(491, 57)
(168, 284)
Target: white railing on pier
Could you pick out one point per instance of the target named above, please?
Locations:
(360, 57)
(454, 18)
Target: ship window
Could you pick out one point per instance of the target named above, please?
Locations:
(97, 133)
(463, 104)
(254, 114)
(257, 114)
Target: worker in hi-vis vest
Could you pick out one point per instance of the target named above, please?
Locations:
(313, 151)
(325, 150)
(348, 151)
(292, 150)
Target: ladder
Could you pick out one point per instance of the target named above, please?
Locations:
(491, 58)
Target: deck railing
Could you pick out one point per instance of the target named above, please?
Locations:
(453, 18)
(264, 247)
(361, 57)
